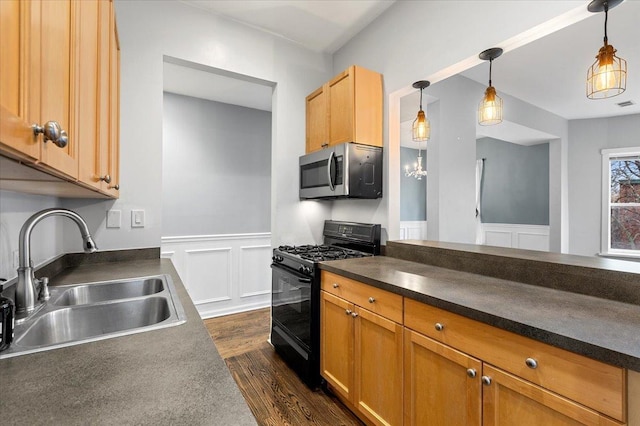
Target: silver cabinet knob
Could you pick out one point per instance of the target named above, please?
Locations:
(348, 312)
(371, 300)
(106, 178)
(486, 380)
(471, 372)
(336, 285)
(116, 187)
(354, 314)
(439, 327)
(531, 363)
(53, 132)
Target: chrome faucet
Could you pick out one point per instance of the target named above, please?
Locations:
(29, 289)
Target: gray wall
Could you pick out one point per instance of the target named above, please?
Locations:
(586, 139)
(216, 168)
(413, 192)
(516, 182)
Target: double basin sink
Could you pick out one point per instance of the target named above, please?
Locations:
(88, 312)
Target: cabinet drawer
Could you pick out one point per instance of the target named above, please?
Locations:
(592, 383)
(384, 303)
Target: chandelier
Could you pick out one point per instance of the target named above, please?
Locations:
(417, 171)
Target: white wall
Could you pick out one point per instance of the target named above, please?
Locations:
(216, 168)
(586, 139)
(46, 238)
(150, 29)
(439, 38)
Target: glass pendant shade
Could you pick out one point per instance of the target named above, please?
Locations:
(607, 76)
(421, 127)
(490, 108)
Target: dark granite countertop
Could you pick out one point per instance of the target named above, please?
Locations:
(168, 376)
(603, 329)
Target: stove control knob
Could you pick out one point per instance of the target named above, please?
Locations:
(305, 270)
(277, 258)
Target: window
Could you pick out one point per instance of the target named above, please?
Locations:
(621, 202)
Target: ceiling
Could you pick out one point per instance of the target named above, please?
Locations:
(551, 72)
(320, 25)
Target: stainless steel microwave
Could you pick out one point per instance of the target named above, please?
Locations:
(348, 170)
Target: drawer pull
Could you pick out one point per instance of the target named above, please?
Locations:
(471, 372)
(336, 285)
(354, 314)
(439, 327)
(371, 300)
(531, 363)
(486, 380)
(348, 312)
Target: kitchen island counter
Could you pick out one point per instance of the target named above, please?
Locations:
(600, 328)
(169, 376)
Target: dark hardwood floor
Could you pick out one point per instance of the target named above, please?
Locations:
(274, 393)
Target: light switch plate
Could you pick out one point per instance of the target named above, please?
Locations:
(114, 218)
(137, 218)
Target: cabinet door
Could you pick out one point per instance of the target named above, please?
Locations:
(113, 149)
(90, 78)
(378, 368)
(57, 30)
(316, 111)
(340, 93)
(17, 81)
(509, 400)
(336, 334)
(441, 384)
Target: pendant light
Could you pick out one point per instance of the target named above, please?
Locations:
(421, 125)
(607, 77)
(490, 108)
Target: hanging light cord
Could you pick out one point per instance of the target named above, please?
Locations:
(606, 17)
(421, 99)
(490, 64)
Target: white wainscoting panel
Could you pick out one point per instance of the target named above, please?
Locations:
(223, 274)
(413, 230)
(528, 237)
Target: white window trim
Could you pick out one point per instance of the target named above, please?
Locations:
(605, 234)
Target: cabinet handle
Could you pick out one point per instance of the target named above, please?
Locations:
(106, 178)
(116, 187)
(354, 314)
(486, 380)
(53, 132)
(439, 327)
(531, 363)
(348, 312)
(336, 285)
(471, 372)
(371, 300)
(324, 145)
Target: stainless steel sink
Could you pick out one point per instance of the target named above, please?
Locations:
(94, 293)
(94, 311)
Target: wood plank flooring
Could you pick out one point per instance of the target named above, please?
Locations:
(274, 393)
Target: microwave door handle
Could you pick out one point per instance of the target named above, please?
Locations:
(329, 163)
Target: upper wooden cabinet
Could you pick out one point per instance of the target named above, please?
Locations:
(57, 66)
(346, 109)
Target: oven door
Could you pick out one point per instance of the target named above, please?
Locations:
(291, 304)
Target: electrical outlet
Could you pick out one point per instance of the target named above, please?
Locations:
(114, 219)
(16, 259)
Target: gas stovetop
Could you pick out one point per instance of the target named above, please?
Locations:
(317, 253)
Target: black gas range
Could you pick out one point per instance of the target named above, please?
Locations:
(295, 313)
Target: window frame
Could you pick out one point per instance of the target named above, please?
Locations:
(605, 234)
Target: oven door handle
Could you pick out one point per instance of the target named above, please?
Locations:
(304, 280)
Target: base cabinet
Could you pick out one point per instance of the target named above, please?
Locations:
(361, 351)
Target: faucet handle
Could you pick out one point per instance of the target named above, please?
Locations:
(44, 289)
